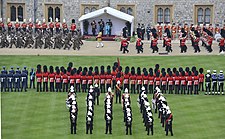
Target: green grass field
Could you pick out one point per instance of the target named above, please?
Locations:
(34, 115)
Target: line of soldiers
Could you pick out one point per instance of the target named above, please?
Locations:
(146, 111)
(43, 36)
(127, 110)
(214, 81)
(164, 113)
(14, 80)
(71, 104)
(108, 116)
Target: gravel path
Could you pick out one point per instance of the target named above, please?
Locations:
(109, 49)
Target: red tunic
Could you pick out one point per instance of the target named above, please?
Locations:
(177, 80)
(154, 42)
(124, 43)
(183, 80)
(30, 25)
(133, 79)
(151, 80)
(78, 78)
(189, 80)
(126, 79)
(37, 26)
(108, 79)
(51, 25)
(201, 78)
(58, 78)
(51, 77)
(90, 79)
(139, 79)
(84, 79)
(39, 77)
(168, 41)
(96, 79)
(196, 80)
(145, 80)
(72, 79)
(222, 42)
(17, 25)
(114, 75)
(170, 80)
(183, 42)
(64, 25)
(157, 81)
(24, 25)
(102, 78)
(57, 25)
(9, 25)
(1, 25)
(164, 80)
(210, 40)
(65, 78)
(138, 43)
(73, 26)
(45, 77)
(44, 25)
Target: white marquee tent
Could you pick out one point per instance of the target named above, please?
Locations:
(118, 19)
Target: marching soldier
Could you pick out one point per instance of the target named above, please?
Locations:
(24, 25)
(139, 46)
(159, 30)
(58, 81)
(124, 45)
(196, 40)
(44, 26)
(2, 27)
(37, 26)
(17, 25)
(183, 39)
(32, 78)
(222, 43)
(64, 26)
(148, 31)
(214, 82)
(57, 25)
(154, 42)
(30, 25)
(73, 27)
(51, 26)
(9, 24)
(221, 82)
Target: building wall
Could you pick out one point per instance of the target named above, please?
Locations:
(183, 10)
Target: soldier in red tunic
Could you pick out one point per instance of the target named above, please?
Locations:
(102, 80)
(30, 25)
(183, 39)
(183, 82)
(65, 28)
(44, 26)
(2, 27)
(119, 87)
(39, 78)
(222, 44)
(196, 83)
(51, 26)
(189, 83)
(113, 77)
(51, 78)
(45, 78)
(201, 80)
(9, 25)
(108, 79)
(139, 80)
(84, 81)
(17, 25)
(196, 40)
(145, 81)
(168, 42)
(151, 80)
(73, 27)
(57, 25)
(89, 78)
(124, 45)
(163, 82)
(126, 78)
(170, 82)
(96, 76)
(133, 81)
(72, 79)
(174, 31)
(24, 25)
(159, 30)
(58, 80)
(154, 43)
(139, 46)
(65, 81)
(177, 83)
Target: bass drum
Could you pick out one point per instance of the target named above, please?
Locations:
(217, 37)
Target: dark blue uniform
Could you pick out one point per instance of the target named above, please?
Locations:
(17, 77)
(24, 81)
(3, 80)
(10, 81)
(221, 82)
(25, 71)
(214, 83)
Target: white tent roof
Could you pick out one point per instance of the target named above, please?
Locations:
(109, 11)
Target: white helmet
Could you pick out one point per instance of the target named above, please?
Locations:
(50, 19)
(89, 119)
(221, 71)
(128, 114)
(43, 20)
(126, 95)
(73, 107)
(128, 110)
(91, 87)
(24, 20)
(17, 20)
(57, 20)
(144, 96)
(143, 88)
(73, 98)
(8, 20)
(108, 102)
(149, 114)
(108, 106)
(167, 108)
(37, 20)
(96, 85)
(126, 100)
(91, 90)
(126, 90)
(147, 103)
(73, 111)
(214, 71)
(30, 20)
(0, 19)
(64, 20)
(208, 71)
(109, 89)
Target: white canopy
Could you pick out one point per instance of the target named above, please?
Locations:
(104, 13)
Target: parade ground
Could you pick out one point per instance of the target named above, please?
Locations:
(32, 115)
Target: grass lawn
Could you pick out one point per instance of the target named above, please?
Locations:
(34, 115)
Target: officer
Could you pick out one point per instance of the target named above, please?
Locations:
(118, 91)
(220, 82)
(214, 82)
(17, 77)
(26, 71)
(24, 81)
(169, 119)
(32, 78)
(10, 80)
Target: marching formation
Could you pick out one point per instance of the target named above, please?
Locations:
(173, 81)
(40, 35)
